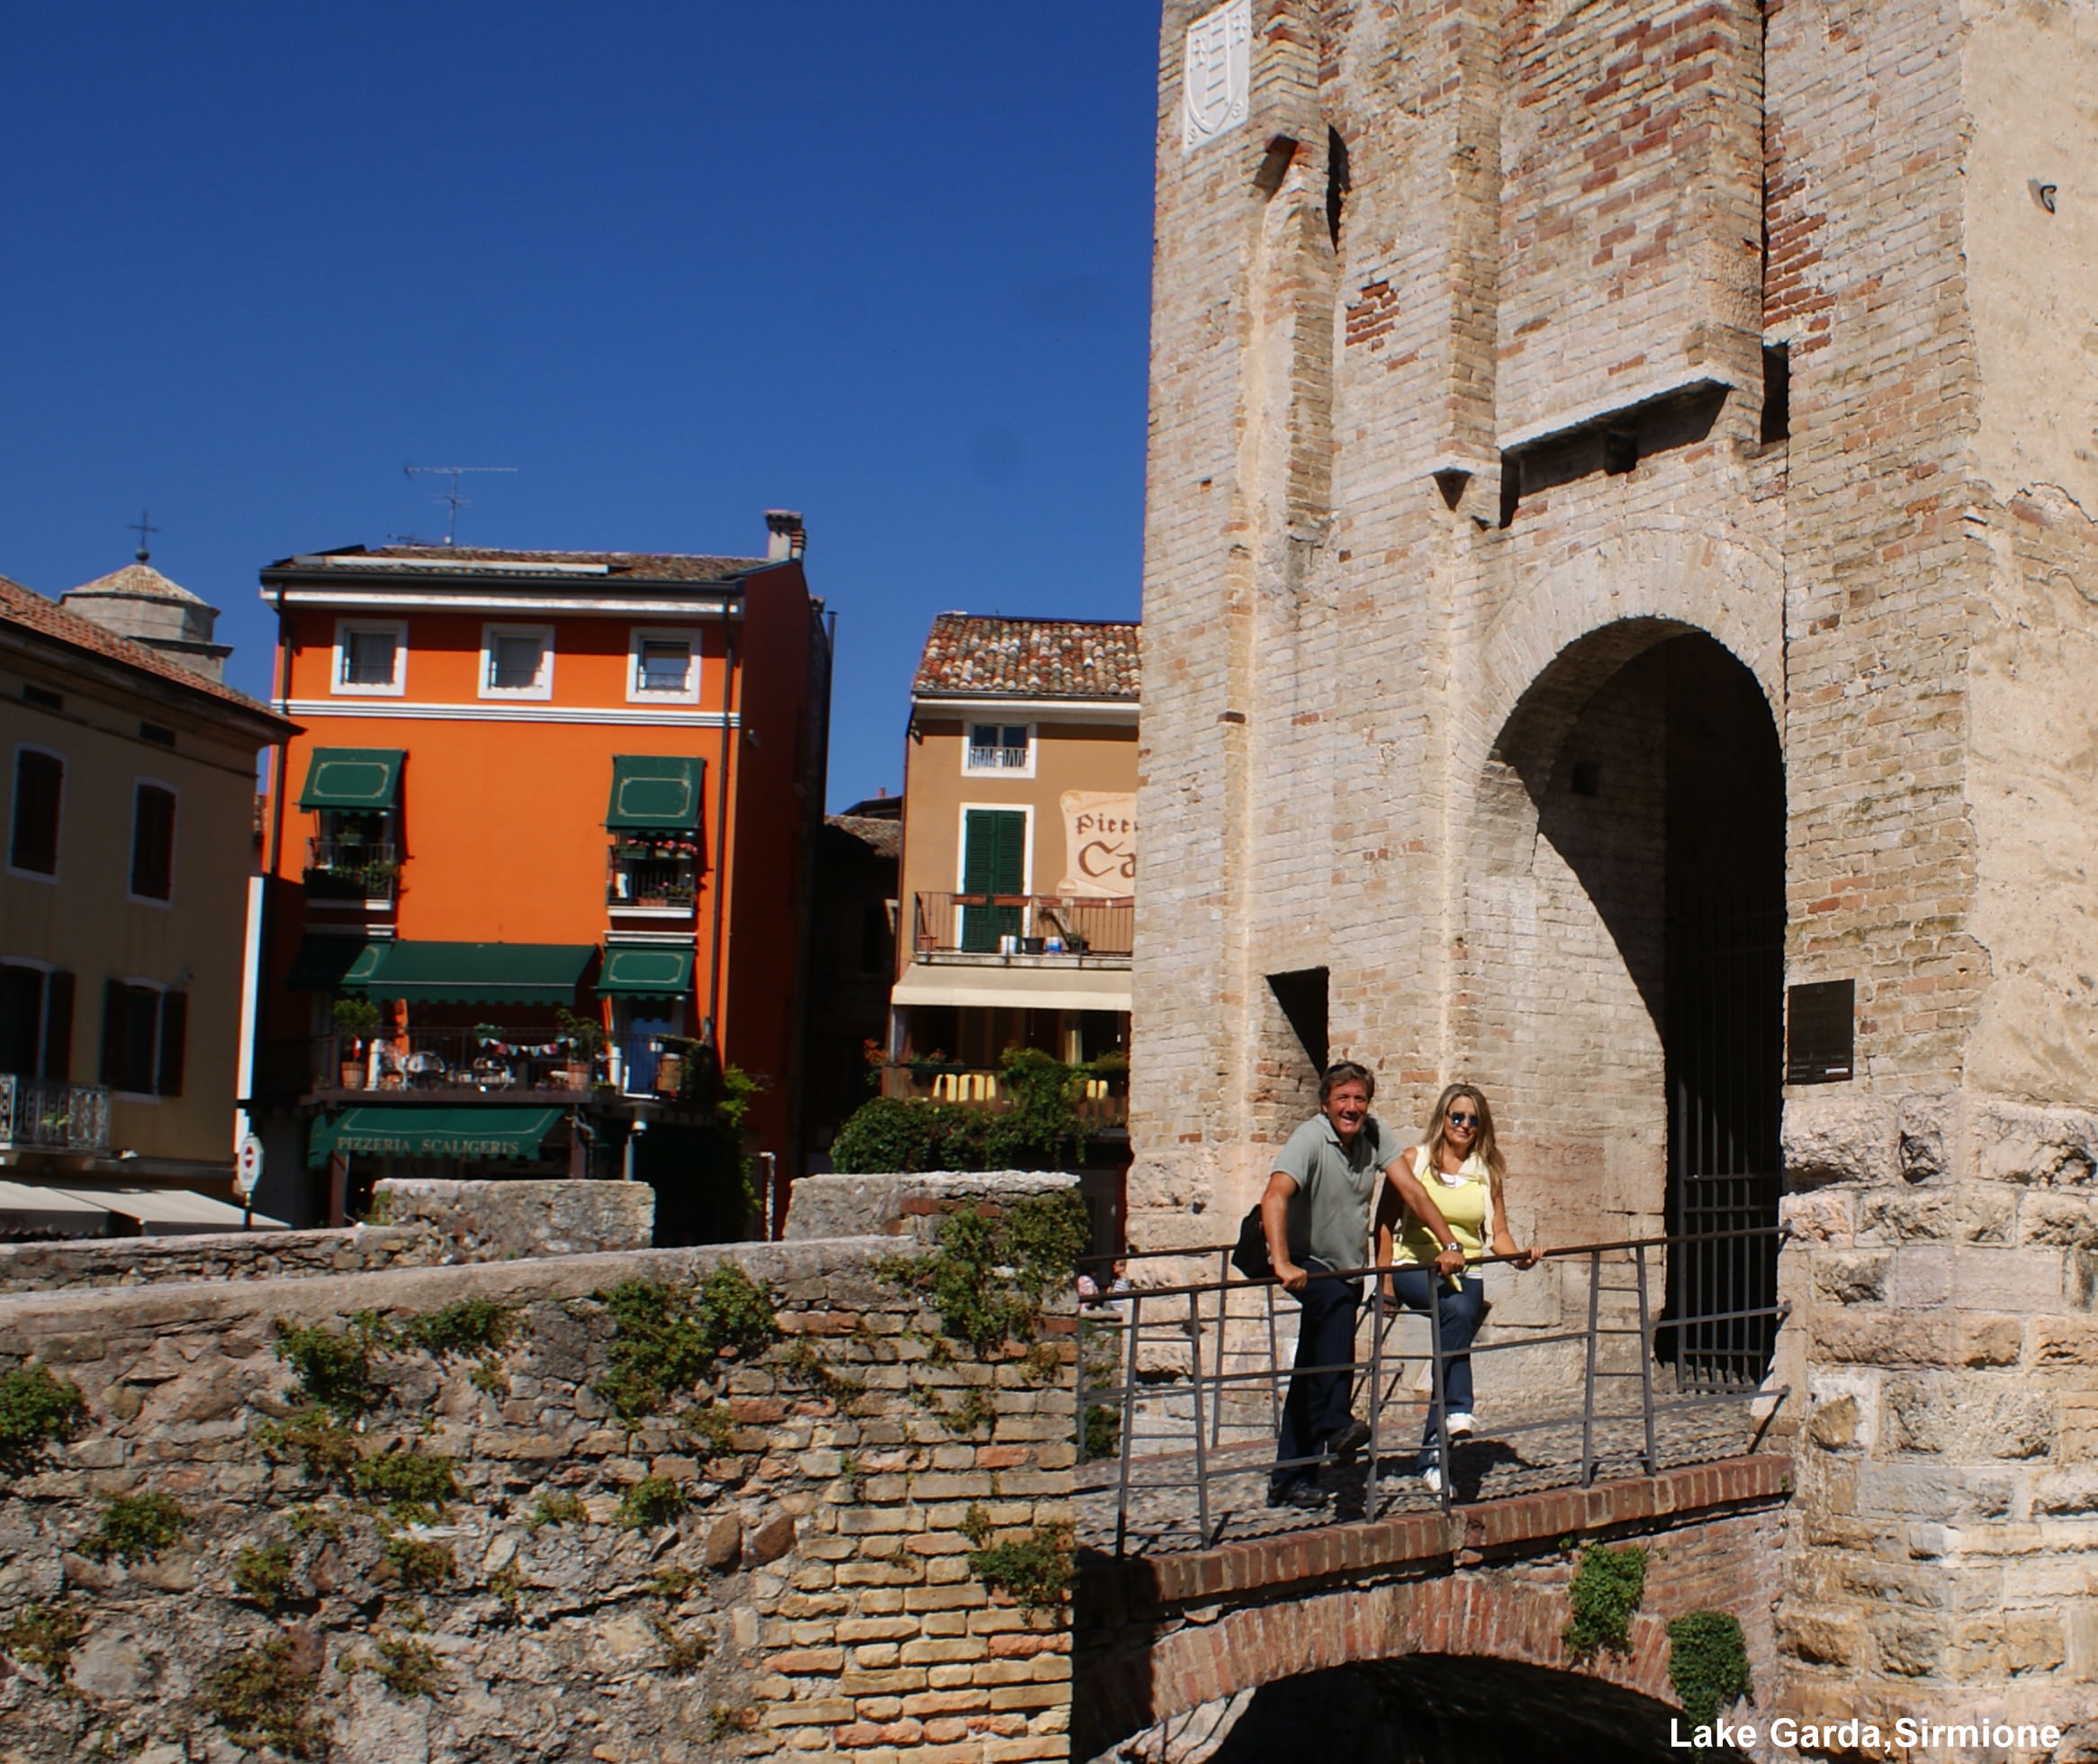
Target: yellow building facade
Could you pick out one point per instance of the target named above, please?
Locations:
(127, 806)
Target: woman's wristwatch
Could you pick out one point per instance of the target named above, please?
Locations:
(1454, 1244)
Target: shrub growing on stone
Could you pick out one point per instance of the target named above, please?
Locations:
(136, 1528)
(337, 1370)
(264, 1696)
(263, 1572)
(466, 1326)
(422, 1565)
(1606, 1591)
(667, 1340)
(44, 1636)
(654, 1500)
(415, 1485)
(1708, 1664)
(409, 1667)
(990, 1275)
(35, 1409)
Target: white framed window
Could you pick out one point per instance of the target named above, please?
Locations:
(153, 814)
(1004, 749)
(662, 666)
(517, 661)
(370, 658)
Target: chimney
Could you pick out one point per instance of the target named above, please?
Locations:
(785, 537)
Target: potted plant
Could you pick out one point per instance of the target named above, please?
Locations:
(356, 1021)
(584, 1037)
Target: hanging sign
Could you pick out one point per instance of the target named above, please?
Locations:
(1100, 843)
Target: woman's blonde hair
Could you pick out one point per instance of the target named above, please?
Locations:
(1485, 1146)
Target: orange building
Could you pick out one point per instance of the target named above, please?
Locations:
(539, 866)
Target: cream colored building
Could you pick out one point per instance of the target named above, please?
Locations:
(1018, 893)
(127, 804)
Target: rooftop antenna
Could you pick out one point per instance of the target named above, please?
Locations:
(451, 499)
(143, 527)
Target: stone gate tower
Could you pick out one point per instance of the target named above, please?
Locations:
(1621, 612)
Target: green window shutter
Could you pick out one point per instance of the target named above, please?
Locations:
(994, 851)
(994, 860)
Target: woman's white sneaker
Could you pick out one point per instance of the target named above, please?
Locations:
(1459, 1422)
(1431, 1479)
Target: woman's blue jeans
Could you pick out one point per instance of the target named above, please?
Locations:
(1458, 1305)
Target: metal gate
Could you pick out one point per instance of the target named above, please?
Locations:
(1726, 1033)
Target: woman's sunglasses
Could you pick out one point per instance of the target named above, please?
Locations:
(1458, 1117)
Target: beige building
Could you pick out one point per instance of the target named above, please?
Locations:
(127, 799)
(1618, 615)
(1019, 867)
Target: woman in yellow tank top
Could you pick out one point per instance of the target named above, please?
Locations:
(1461, 1167)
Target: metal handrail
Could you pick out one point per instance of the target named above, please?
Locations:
(1191, 1323)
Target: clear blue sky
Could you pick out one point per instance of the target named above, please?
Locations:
(677, 263)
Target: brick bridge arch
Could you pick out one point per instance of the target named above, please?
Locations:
(1157, 1638)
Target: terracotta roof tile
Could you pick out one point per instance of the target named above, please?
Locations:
(628, 566)
(25, 607)
(968, 656)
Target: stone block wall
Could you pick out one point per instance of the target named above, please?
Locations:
(428, 1223)
(777, 1563)
(1945, 1326)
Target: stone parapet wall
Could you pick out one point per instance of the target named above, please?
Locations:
(829, 1206)
(34, 1267)
(428, 1223)
(779, 1562)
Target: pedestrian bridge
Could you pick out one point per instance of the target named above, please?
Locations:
(1214, 1627)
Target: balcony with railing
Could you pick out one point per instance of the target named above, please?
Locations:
(1101, 1099)
(351, 869)
(47, 1114)
(653, 876)
(484, 1058)
(1024, 930)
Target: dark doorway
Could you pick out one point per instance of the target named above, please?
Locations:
(1723, 1026)
(1428, 1708)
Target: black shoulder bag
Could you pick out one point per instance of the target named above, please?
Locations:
(1251, 1257)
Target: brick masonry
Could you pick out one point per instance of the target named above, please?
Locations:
(1159, 1638)
(1434, 475)
(813, 1596)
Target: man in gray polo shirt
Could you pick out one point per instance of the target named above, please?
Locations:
(1316, 1216)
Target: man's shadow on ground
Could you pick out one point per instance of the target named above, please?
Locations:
(1472, 1462)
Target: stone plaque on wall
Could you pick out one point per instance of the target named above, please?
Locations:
(1216, 74)
(1100, 843)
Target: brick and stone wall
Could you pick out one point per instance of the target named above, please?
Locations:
(1160, 1639)
(776, 1563)
(1451, 460)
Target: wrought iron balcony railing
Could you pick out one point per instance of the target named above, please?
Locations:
(486, 1057)
(1057, 931)
(662, 875)
(53, 1115)
(1102, 1101)
(350, 870)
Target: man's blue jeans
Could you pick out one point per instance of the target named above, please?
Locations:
(1458, 1305)
(1317, 1406)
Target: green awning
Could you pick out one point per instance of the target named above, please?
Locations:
(366, 778)
(334, 964)
(634, 971)
(481, 973)
(404, 1130)
(655, 792)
